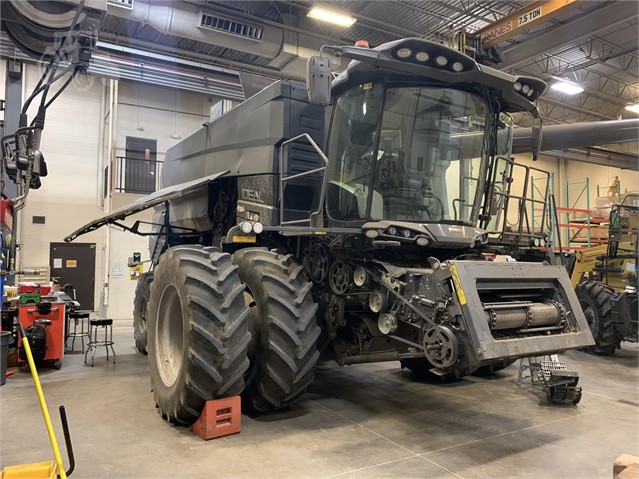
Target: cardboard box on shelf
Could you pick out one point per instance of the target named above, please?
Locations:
(596, 232)
(603, 204)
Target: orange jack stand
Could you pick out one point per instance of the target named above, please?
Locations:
(219, 418)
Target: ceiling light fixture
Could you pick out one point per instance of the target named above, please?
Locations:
(567, 88)
(633, 108)
(331, 16)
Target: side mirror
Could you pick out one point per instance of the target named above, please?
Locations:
(535, 139)
(318, 80)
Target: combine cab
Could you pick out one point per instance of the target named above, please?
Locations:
(353, 221)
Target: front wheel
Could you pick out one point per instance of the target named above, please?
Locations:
(283, 349)
(197, 331)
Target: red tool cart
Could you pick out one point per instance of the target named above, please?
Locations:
(50, 316)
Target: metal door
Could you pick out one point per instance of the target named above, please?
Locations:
(140, 165)
(74, 263)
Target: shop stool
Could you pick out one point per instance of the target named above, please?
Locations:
(94, 342)
(78, 327)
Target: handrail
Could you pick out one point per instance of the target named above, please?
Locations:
(140, 184)
(300, 175)
(523, 203)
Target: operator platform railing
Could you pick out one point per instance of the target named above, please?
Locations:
(519, 215)
(283, 179)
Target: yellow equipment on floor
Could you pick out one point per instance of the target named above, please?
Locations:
(614, 263)
(46, 469)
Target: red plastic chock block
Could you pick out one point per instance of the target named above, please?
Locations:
(219, 418)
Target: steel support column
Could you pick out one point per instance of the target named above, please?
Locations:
(13, 106)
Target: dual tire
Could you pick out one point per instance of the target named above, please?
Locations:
(197, 331)
(283, 350)
(221, 326)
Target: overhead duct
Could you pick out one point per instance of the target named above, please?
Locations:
(185, 20)
(288, 50)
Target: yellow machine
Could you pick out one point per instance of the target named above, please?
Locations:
(605, 279)
(615, 263)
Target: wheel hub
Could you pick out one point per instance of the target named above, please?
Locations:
(441, 347)
(169, 335)
(590, 318)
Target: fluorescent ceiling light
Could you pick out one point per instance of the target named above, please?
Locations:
(331, 16)
(567, 88)
(634, 108)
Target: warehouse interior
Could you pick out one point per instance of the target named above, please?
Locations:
(512, 275)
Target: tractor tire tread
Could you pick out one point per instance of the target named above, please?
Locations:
(217, 335)
(140, 311)
(289, 333)
(599, 298)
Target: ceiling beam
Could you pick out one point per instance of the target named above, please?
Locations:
(568, 106)
(523, 19)
(584, 26)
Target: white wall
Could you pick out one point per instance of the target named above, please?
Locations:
(149, 112)
(68, 196)
(158, 114)
(122, 245)
(71, 194)
(576, 172)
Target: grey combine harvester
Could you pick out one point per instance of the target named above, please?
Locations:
(351, 220)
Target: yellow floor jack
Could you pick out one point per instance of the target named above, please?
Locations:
(45, 469)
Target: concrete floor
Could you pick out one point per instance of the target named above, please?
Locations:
(369, 421)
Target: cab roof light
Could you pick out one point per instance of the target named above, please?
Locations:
(434, 57)
(331, 16)
(404, 53)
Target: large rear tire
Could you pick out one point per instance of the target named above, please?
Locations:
(140, 302)
(197, 332)
(283, 349)
(595, 299)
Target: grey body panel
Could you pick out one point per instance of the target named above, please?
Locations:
(245, 140)
(475, 276)
(141, 204)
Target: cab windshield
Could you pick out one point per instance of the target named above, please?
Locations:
(407, 154)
